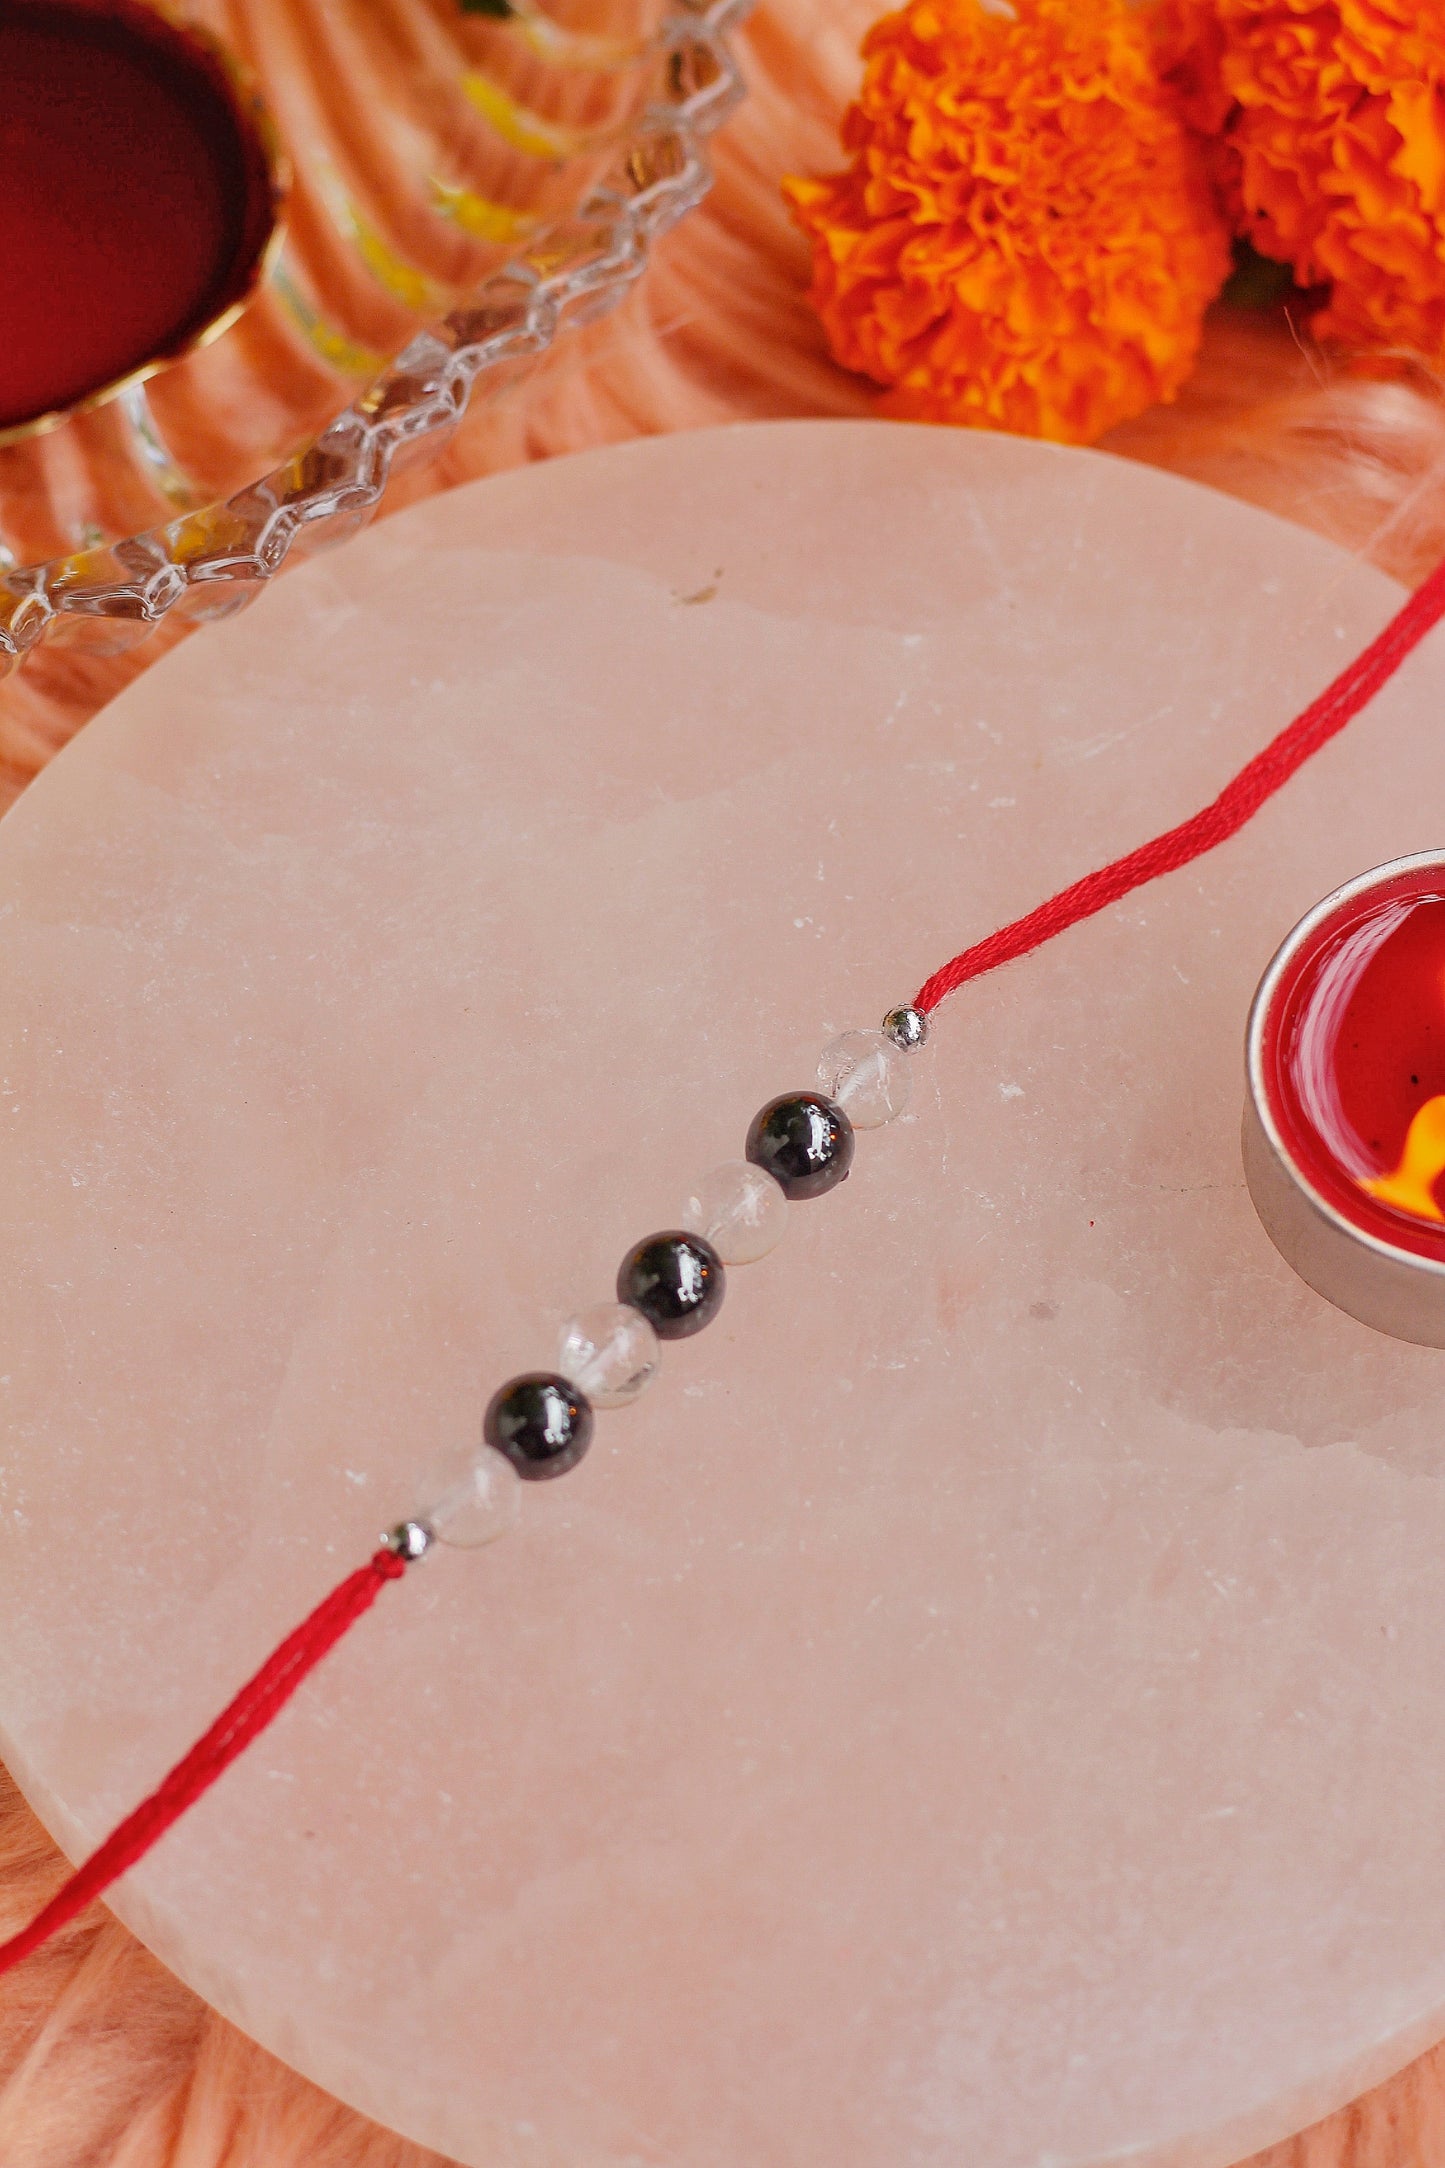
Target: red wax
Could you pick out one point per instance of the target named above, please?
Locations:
(134, 198)
(1354, 1048)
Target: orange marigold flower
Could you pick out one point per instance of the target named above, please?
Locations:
(1024, 238)
(1332, 147)
(1189, 52)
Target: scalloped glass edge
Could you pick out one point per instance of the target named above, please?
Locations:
(211, 563)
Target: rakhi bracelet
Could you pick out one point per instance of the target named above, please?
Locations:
(670, 1285)
(799, 1146)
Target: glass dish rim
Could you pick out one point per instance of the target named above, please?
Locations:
(210, 562)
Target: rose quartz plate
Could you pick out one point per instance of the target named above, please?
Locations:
(984, 1707)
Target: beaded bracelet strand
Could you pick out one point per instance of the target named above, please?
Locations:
(671, 1285)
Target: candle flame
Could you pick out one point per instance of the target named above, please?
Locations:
(1411, 1188)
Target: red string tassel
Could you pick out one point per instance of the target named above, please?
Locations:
(258, 1704)
(1239, 800)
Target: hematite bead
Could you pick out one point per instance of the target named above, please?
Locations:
(804, 1141)
(677, 1282)
(541, 1423)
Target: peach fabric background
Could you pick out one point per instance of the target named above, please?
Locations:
(105, 2061)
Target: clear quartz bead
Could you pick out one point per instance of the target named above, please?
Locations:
(473, 1499)
(610, 1353)
(868, 1075)
(740, 1210)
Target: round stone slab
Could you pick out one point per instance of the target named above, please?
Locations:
(984, 1703)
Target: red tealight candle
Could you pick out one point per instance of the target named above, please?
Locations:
(135, 198)
(1345, 1120)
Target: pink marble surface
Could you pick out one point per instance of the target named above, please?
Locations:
(984, 1703)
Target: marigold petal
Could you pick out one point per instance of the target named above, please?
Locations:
(1326, 121)
(1025, 236)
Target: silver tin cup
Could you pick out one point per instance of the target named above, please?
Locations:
(1389, 1285)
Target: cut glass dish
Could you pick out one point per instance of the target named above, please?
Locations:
(462, 180)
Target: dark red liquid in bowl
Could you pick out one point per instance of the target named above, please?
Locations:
(1354, 1052)
(135, 199)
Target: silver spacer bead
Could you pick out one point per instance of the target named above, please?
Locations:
(906, 1027)
(410, 1540)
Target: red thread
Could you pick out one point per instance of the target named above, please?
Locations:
(263, 1699)
(258, 1704)
(1239, 800)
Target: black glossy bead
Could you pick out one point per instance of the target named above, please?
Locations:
(541, 1423)
(804, 1141)
(677, 1282)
